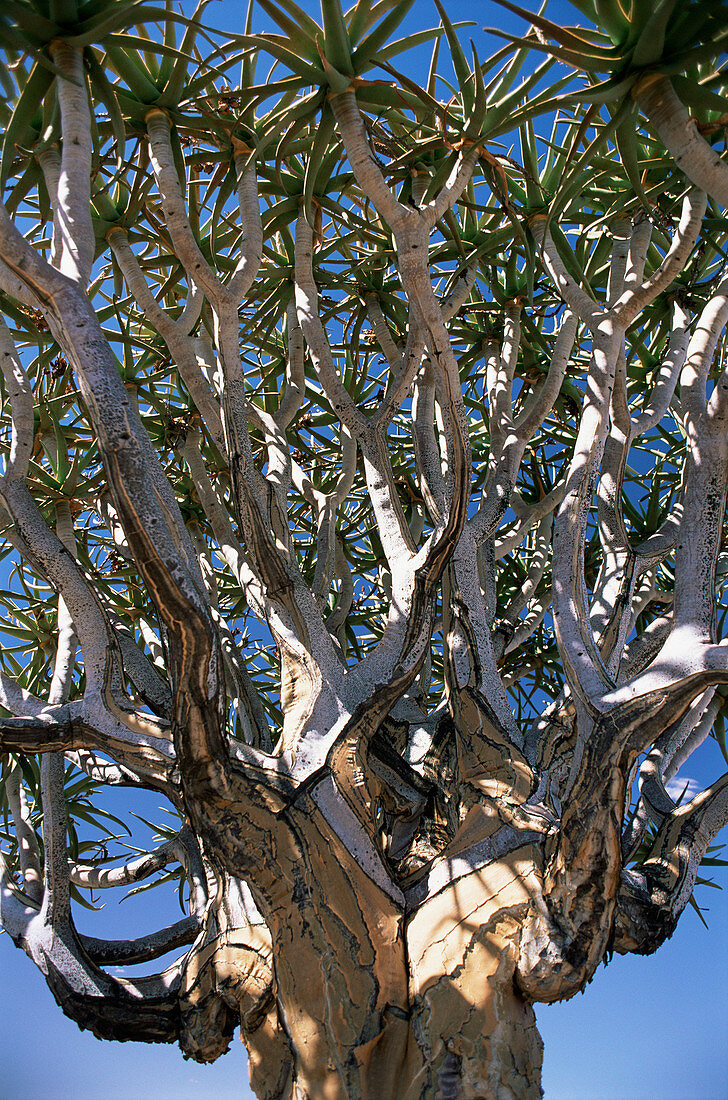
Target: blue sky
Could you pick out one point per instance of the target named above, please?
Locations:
(646, 1028)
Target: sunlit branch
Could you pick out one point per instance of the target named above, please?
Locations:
(453, 187)
(501, 372)
(124, 444)
(402, 376)
(363, 162)
(428, 456)
(528, 516)
(536, 568)
(541, 402)
(138, 747)
(327, 505)
(470, 654)
(252, 240)
(405, 364)
(626, 309)
(248, 489)
(175, 211)
(623, 236)
(174, 332)
(239, 686)
(212, 505)
(17, 700)
(29, 860)
(705, 477)
(671, 120)
(73, 233)
(690, 735)
(612, 611)
(585, 308)
(658, 402)
(642, 649)
(391, 352)
(639, 243)
(582, 663)
(294, 393)
(50, 558)
(345, 598)
(510, 440)
(315, 334)
(97, 767)
(525, 627)
(99, 877)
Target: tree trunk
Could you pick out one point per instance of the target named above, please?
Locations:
(473, 1034)
(375, 993)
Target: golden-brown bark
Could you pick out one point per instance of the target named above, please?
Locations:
(474, 1035)
(346, 994)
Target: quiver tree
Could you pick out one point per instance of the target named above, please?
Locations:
(364, 490)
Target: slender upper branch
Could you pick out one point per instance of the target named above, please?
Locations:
(73, 233)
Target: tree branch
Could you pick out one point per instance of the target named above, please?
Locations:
(73, 233)
(671, 121)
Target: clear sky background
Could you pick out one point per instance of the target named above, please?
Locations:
(646, 1028)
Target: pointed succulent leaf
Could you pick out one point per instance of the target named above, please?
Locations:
(696, 95)
(651, 42)
(459, 60)
(336, 44)
(19, 130)
(626, 141)
(280, 48)
(371, 47)
(299, 38)
(611, 16)
(573, 40)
